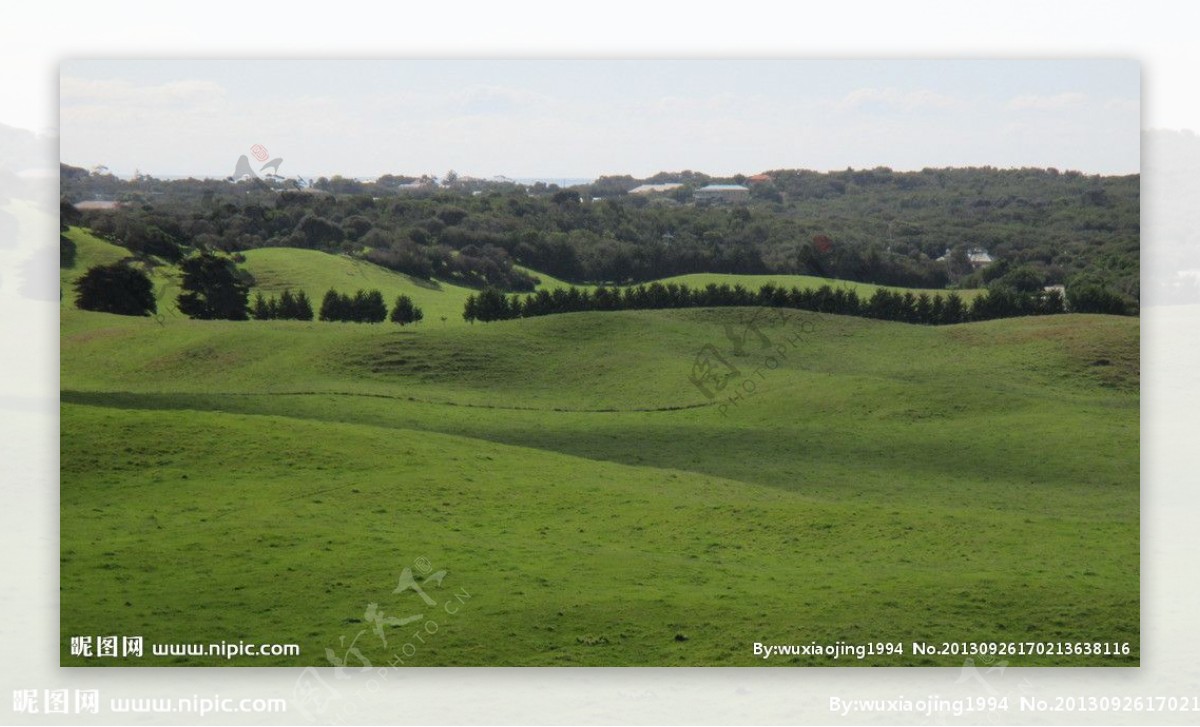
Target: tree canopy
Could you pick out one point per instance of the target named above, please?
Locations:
(404, 311)
(117, 288)
(212, 289)
(907, 229)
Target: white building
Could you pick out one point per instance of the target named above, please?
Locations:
(977, 256)
(97, 204)
(722, 192)
(655, 188)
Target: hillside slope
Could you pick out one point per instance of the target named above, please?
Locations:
(275, 269)
(880, 481)
(278, 268)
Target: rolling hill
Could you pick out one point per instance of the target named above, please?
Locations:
(270, 480)
(278, 268)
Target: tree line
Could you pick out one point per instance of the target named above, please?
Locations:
(883, 304)
(213, 289)
(288, 308)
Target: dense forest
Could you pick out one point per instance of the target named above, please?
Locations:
(1041, 226)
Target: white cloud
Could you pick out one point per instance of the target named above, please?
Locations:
(1122, 104)
(84, 91)
(1032, 102)
(173, 124)
(680, 105)
(894, 98)
(496, 100)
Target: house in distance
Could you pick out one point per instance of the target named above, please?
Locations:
(655, 188)
(976, 256)
(722, 193)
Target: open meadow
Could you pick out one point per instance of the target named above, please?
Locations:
(588, 502)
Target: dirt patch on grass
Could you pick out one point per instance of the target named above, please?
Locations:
(96, 334)
(1101, 349)
(194, 360)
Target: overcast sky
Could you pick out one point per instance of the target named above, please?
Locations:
(589, 118)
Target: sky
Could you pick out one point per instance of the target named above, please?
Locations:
(583, 119)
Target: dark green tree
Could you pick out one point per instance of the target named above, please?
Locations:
(68, 215)
(405, 311)
(1024, 279)
(66, 251)
(1052, 303)
(317, 232)
(304, 309)
(954, 311)
(287, 306)
(116, 288)
(924, 310)
(212, 289)
(493, 305)
(374, 309)
(937, 310)
(333, 306)
(260, 311)
(1095, 298)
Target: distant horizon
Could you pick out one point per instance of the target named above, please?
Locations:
(581, 179)
(600, 118)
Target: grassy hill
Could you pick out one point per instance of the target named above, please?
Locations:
(880, 482)
(316, 272)
(755, 282)
(278, 268)
(275, 269)
(89, 252)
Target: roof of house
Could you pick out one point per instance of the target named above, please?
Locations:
(97, 204)
(724, 188)
(648, 188)
(974, 255)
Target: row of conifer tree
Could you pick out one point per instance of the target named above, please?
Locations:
(883, 304)
(364, 306)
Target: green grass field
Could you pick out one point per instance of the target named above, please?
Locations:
(268, 480)
(90, 251)
(316, 272)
